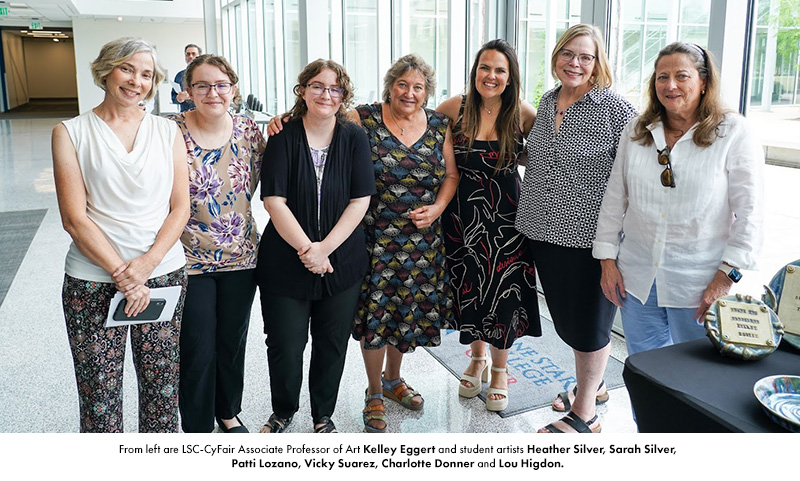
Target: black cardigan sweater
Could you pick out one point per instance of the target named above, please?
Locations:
(288, 171)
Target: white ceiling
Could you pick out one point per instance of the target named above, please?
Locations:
(59, 13)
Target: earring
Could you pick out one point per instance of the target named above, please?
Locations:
(703, 92)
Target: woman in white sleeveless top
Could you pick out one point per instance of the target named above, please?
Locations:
(122, 186)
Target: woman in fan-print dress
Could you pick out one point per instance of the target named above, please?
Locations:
(405, 297)
(490, 267)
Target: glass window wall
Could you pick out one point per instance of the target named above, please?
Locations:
(641, 28)
(541, 22)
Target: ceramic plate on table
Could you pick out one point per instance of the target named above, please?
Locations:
(780, 398)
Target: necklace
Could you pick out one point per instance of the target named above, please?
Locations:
(484, 107)
(559, 111)
(402, 130)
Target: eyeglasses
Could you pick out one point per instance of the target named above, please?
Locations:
(318, 89)
(203, 88)
(667, 179)
(583, 59)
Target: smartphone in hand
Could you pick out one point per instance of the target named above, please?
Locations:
(151, 312)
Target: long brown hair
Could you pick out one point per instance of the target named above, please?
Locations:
(507, 123)
(312, 70)
(710, 112)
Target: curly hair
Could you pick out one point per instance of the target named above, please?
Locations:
(405, 64)
(710, 112)
(312, 70)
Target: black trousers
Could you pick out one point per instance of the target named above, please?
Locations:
(286, 323)
(213, 338)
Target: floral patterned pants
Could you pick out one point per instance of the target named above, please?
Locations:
(98, 354)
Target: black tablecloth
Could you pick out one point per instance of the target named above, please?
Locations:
(690, 387)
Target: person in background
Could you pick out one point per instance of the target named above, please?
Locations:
(687, 193)
(123, 194)
(571, 150)
(182, 98)
(491, 269)
(220, 241)
(316, 185)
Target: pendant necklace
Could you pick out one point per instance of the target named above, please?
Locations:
(402, 130)
(559, 111)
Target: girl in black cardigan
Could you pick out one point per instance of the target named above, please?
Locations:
(316, 184)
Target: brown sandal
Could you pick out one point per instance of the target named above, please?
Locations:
(374, 412)
(394, 390)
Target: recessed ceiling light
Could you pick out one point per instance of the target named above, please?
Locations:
(119, 19)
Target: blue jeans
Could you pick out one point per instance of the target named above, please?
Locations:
(651, 327)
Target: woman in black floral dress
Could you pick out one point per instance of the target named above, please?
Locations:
(490, 267)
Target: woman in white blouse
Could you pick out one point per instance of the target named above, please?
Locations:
(683, 208)
(123, 193)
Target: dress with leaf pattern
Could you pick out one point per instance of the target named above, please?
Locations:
(490, 266)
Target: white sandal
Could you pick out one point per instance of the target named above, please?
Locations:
(497, 404)
(470, 392)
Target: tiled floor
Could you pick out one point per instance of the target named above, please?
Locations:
(36, 372)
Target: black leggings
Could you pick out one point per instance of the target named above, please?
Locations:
(286, 324)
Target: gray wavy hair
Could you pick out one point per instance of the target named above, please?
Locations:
(405, 64)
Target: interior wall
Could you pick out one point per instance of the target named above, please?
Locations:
(50, 68)
(16, 77)
(168, 39)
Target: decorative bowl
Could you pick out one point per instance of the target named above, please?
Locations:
(773, 296)
(780, 397)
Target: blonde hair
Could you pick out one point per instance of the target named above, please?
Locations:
(601, 77)
(710, 112)
(116, 52)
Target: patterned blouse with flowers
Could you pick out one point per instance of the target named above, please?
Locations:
(221, 234)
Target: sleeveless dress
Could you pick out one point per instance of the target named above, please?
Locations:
(490, 267)
(405, 297)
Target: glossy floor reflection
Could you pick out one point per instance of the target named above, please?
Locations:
(39, 393)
